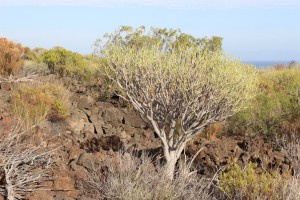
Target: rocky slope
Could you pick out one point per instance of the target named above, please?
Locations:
(97, 130)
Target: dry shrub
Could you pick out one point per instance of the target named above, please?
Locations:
(10, 56)
(137, 178)
(32, 101)
(25, 166)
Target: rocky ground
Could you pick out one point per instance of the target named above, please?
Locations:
(96, 130)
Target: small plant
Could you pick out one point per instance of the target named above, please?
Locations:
(10, 57)
(245, 183)
(33, 101)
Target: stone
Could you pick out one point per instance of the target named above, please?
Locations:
(99, 127)
(85, 102)
(6, 86)
(40, 195)
(134, 120)
(89, 127)
(109, 129)
(113, 115)
(111, 142)
(62, 197)
(89, 161)
(148, 133)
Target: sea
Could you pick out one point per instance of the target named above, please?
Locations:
(264, 64)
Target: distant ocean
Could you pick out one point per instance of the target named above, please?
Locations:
(262, 64)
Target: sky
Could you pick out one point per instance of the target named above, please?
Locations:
(252, 30)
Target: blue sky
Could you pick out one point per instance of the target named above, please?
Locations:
(252, 30)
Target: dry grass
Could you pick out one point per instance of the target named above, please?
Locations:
(137, 178)
(32, 101)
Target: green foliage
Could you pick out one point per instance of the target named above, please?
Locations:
(276, 110)
(10, 56)
(169, 39)
(34, 101)
(31, 55)
(67, 63)
(246, 184)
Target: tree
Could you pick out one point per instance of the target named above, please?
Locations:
(179, 90)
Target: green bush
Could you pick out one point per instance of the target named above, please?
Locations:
(33, 101)
(276, 110)
(246, 184)
(31, 55)
(67, 63)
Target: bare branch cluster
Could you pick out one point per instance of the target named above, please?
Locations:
(13, 79)
(24, 165)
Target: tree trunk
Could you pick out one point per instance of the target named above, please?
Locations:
(170, 165)
(10, 193)
(172, 157)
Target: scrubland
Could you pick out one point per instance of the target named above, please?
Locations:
(39, 83)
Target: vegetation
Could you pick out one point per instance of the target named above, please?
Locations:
(168, 39)
(182, 87)
(128, 177)
(179, 90)
(31, 55)
(247, 184)
(276, 110)
(67, 63)
(34, 101)
(10, 57)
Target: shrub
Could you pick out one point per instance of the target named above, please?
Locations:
(10, 56)
(245, 183)
(67, 63)
(34, 67)
(33, 101)
(31, 55)
(25, 166)
(276, 110)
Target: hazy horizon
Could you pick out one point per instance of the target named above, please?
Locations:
(252, 30)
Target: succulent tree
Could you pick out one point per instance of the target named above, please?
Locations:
(180, 87)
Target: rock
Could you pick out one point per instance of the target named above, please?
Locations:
(89, 127)
(6, 86)
(148, 133)
(113, 116)
(133, 120)
(111, 142)
(77, 121)
(62, 197)
(246, 149)
(89, 161)
(85, 102)
(109, 129)
(99, 127)
(41, 195)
